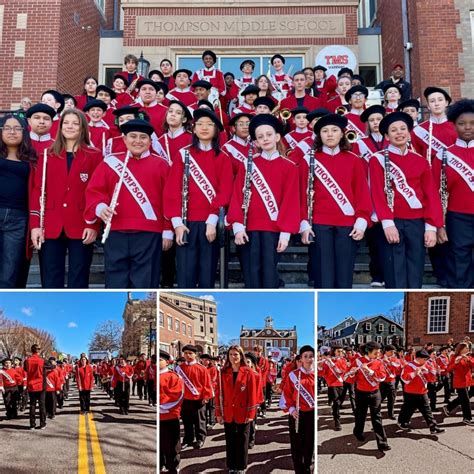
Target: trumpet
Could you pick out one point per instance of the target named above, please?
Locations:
(341, 110)
(285, 114)
(351, 136)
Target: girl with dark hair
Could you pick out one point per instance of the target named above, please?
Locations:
(266, 87)
(209, 179)
(67, 168)
(341, 206)
(17, 161)
(85, 382)
(88, 93)
(236, 404)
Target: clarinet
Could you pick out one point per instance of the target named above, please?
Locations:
(114, 200)
(388, 184)
(310, 191)
(184, 199)
(248, 185)
(430, 137)
(443, 189)
(43, 196)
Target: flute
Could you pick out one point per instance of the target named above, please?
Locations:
(184, 198)
(310, 191)
(297, 422)
(43, 196)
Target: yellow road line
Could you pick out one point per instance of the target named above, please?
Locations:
(83, 459)
(96, 450)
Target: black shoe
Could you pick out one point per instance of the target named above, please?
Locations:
(198, 444)
(391, 417)
(42, 427)
(359, 437)
(436, 430)
(251, 445)
(404, 426)
(384, 447)
(338, 427)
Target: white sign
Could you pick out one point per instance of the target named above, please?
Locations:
(335, 57)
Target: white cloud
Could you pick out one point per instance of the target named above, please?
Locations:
(208, 297)
(27, 311)
(72, 324)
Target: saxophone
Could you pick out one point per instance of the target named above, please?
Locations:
(443, 188)
(388, 189)
(310, 191)
(248, 185)
(184, 198)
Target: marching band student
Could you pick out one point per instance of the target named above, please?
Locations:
(99, 130)
(156, 75)
(70, 102)
(236, 403)
(356, 96)
(263, 105)
(250, 94)
(116, 143)
(301, 131)
(457, 191)
(119, 86)
(281, 81)
(53, 389)
(461, 365)
(269, 382)
(205, 360)
(89, 92)
(412, 108)
(348, 385)
(209, 188)
(150, 377)
(108, 96)
(387, 387)
(237, 148)
(298, 97)
(406, 203)
(251, 361)
(70, 164)
(247, 67)
(265, 88)
(432, 378)
(263, 367)
(139, 370)
(85, 382)
(231, 98)
(120, 384)
(443, 361)
(147, 99)
(339, 218)
(211, 74)
(333, 369)
(273, 210)
(171, 398)
(392, 97)
(132, 252)
(343, 85)
(55, 100)
(415, 393)
(310, 85)
(299, 393)
(197, 392)
(166, 67)
(10, 380)
(130, 73)
(17, 165)
(22, 393)
(182, 91)
(40, 120)
(326, 86)
(367, 372)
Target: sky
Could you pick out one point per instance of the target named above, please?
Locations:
(249, 309)
(333, 307)
(71, 317)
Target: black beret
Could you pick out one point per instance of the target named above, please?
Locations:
(119, 76)
(95, 103)
(238, 116)
(270, 103)
(162, 86)
(57, 97)
(250, 90)
(137, 125)
(187, 113)
(345, 70)
(265, 119)
(306, 348)
(186, 71)
(205, 356)
(229, 74)
(386, 87)
(128, 109)
(156, 71)
(199, 113)
(252, 357)
(330, 119)
(189, 347)
(409, 103)
(299, 110)
(247, 61)
(109, 91)
(422, 354)
(319, 68)
(395, 117)
(208, 52)
(277, 56)
(354, 90)
(431, 90)
(43, 108)
(207, 85)
(164, 355)
(373, 109)
(316, 113)
(149, 82)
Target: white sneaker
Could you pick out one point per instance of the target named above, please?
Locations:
(468, 422)
(377, 284)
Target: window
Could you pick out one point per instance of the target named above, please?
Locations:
(176, 302)
(246, 343)
(101, 5)
(379, 339)
(170, 323)
(438, 315)
(201, 318)
(380, 327)
(290, 342)
(211, 319)
(211, 330)
(109, 73)
(471, 317)
(202, 328)
(176, 325)
(190, 305)
(162, 319)
(200, 308)
(190, 331)
(275, 342)
(183, 328)
(368, 326)
(369, 74)
(360, 339)
(368, 338)
(392, 328)
(282, 343)
(210, 310)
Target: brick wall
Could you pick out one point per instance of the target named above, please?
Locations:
(416, 317)
(166, 336)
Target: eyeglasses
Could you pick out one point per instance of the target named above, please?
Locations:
(12, 129)
(357, 96)
(243, 124)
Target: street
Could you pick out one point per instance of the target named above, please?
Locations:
(412, 452)
(270, 454)
(101, 442)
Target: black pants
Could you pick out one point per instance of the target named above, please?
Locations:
(168, 267)
(364, 402)
(22, 398)
(252, 431)
(404, 263)
(335, 400)
(196, 262)
(37, 397)
(140, 387)
(210, 413)
(348, 388)
(259, 260)
(170, 444)
(122, 395)
(50, 404)
(60, 399)
(133, 259)
(10, 399)
(463, 400)
(375, 238)
(444, 383)
(432, 395)
(236, 445)
(150, 384)
(413, 402)
(438, 258)
(85, 400)
(387, 391)
(194, 421)
(268, 393)
(53, 262)
(333, 256)
(302, 443)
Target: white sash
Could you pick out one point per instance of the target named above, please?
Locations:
(156, 145)
(186, 381)
(122, 374)
(50, 384)
(304, 146)
(461, 168)
(7, 376)
(366, 375)
(334, 369)
(291, 141)
(265, 192)
(365, 151)
(235, 153)
(308, 398)
(400, 181)
(133, 186)
(200, 178)
(354, 128)
(166, 407)
(422, 134)
(422, 378)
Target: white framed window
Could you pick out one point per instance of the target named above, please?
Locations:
(190, 330)
(246, 343)
(438, 315)
(379, 339)
(183, 328)
(380, 327)
(471, 314)
(360, 339)
(162, 319)
(368, 326)
(170, 323)
(392, 328)
(176, 325)
(368, 338)
(283, 343)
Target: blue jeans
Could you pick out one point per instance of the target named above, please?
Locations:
(13, 228)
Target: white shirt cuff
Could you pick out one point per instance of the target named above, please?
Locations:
(168, 234)
(291, 410)
(387, 223)
(285, 236)
(360, 224)
(212, 219)
(177, 222)
(430, 227)
(238, 227)
(304, 226)
(99, 208)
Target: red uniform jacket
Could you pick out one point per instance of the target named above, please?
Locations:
(186, 96)
(333, 104)
(355, 124)
(157, 114)
(365, 147)
(274, 204)
(238, 151)
(292, 139)
(115, 145)
(121, 375)
(366, 381)
(412, 182)
(461, 367)
(307, 391)
(459, 174)
(139, 370)
(10, 378)
(212, 75)
(260, 384)
(82, 100)
(131, 78)
(171, 394)
(22, 374)
(239, 400)
(150, 373)
(173, 142)
(141, 195)
(84, 377)
(291, 102)
(243, 109)
(333, 370)
(53, 381)
(213, 374)
(99, 133)
(41, 143)
(263, 367)
(65, 194)
(443, 362)
(327, 86)
(197, 381)
(210, 184)
(393, 367)
(414, 383)
(123, 99)
(35, 376)
(341, 192)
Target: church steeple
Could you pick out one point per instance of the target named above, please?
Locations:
(269, 322)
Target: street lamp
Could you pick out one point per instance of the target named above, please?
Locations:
(143, 66)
